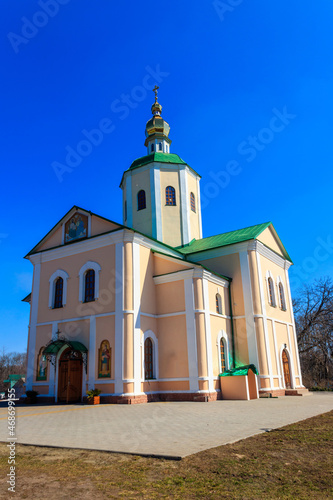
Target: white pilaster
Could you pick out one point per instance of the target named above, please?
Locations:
(50, 367)
(294, 328)
(129, 222)
(184, 207)
(137, 312)
(277, 356)
(248, 306)
(33, 326)
(92, 353)
(199, 207)
(191, 335)
(156, 208)
(208, 336)
(119, 319)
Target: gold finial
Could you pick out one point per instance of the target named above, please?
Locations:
(155, 89)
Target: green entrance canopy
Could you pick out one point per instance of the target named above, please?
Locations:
(56, 345)
(241, 370)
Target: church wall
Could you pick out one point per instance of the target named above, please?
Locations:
(170, 297)
(43, 336)
(105, 330)
(241, 345)
(261, 347)
(194, 216)
(147, 285)
(272, 347)
(165, 266)
(171, 215)
(214, 289)
(229, 265)
(267, 238)
(105, 257)
(216, 326)
(142, 219)
(53, 240)
(172, 347)
(99, 226)
(148, 323)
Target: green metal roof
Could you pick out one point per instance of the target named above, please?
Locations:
(56, 345)
(224, 239)
(161, 157)
(240, 371)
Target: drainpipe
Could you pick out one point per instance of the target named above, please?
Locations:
(232, 330)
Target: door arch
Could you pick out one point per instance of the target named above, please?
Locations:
(286, 369)
(70, 376)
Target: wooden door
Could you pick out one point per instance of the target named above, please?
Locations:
(286, 369)
(70, 377)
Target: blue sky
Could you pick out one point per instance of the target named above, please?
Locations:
(225, 70)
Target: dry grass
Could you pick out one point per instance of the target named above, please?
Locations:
(293, 462)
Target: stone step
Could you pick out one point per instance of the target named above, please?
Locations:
(298, 392)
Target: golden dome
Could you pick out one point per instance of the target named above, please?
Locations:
(157, 126)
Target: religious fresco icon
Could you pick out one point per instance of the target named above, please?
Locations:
(41, 366)
(76, 227)
(104, 360)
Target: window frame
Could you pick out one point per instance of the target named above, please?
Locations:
(193, 203)
(58, 293)
(170, 197)
(141, 200)
(218, 303)
(59, 273)
(89, 284)
(88, 265)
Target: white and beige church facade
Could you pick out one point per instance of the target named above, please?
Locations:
(149, 310)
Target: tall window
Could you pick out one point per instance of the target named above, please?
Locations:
(218, 302)
(170, 196)
(152, 148)
(160, 146)
(282, 297)
(271, 292)
(141, 199)
(89, 289)
(192, 202)
(58, 292)
(222, 355)
(149, 359)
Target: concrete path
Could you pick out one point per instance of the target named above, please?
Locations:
(159, 429)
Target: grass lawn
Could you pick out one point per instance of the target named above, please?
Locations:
(293, 462)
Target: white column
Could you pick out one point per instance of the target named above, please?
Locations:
(208, 336)
(294, 327)
(50, 366)
(129, 222)
(199, 207)
(277, 356)
(248, 306)
(33, 324)
(191, 335)
(263, 307)
(137, 313)
(119, 318)
(156, 208)
(92, 353)
(184, 207)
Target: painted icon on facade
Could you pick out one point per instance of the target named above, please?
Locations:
(41, 366)
(76, 227)
(104, 360)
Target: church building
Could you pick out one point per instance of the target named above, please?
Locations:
(149, 310)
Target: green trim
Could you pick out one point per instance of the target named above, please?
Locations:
(240, 371)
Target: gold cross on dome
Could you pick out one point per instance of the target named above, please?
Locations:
(155, 89)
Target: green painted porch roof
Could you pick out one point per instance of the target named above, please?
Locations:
(56, 345)
(240, 371)
(225, 239)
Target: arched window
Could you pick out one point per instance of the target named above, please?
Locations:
(222, 355)
(160, 146)
(218, 302)
(170, 196)
(282, 297)
(141, 199)
(271, 292)
(192, 202)
(149, 368)
(152, 148)
(58, 292)
(41, 365)
(89, 288)
(104, 360)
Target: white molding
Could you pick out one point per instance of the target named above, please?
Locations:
(258, 246)
(92, 352)
(270, 275)
(196, 272)
(88, 265)
(119, 319)
(184, 202)
(191, 335)
(129, 220)
(33, 327)
(248, 306)
(104, 381)
(282, 306)
(60, 273)
(219, 252)
(156, 207)
(79, 318)
(209, 351)
(222, 335)
(149, 334)
(137, 318)
(199, 207)
(263, 308)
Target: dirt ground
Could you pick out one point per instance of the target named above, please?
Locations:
(293, 462)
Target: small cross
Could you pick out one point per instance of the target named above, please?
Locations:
(155, 89)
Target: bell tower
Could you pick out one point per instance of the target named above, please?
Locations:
(161, 192)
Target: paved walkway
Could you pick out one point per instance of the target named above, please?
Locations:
(161, 429)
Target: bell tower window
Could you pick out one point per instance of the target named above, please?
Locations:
(170, 196)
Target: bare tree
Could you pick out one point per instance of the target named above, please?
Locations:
(313, 308)
(12, 363)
